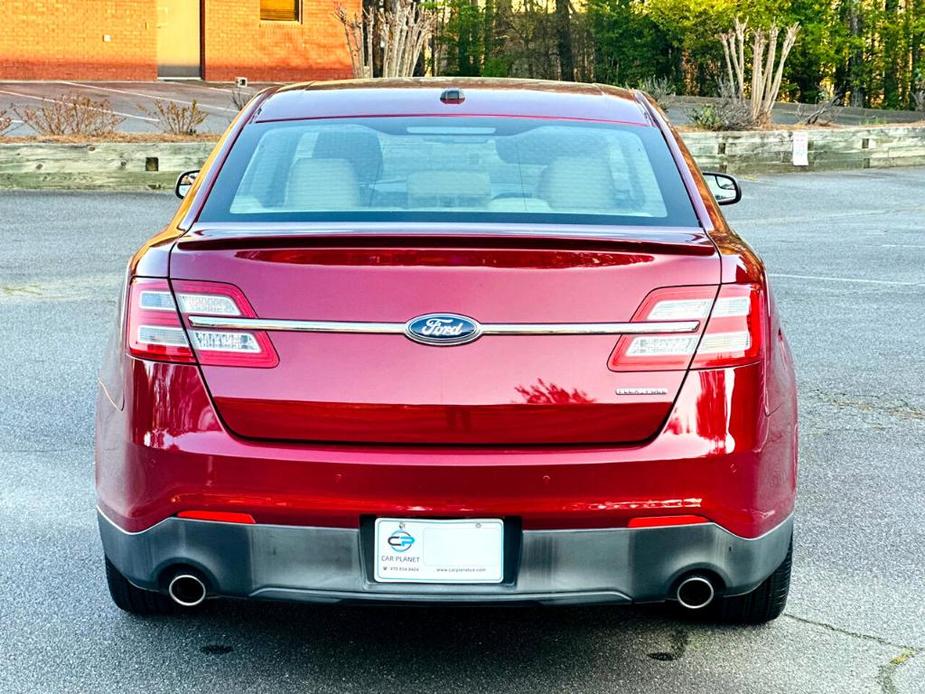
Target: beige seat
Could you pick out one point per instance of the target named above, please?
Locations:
(578, 183)
(322, 184)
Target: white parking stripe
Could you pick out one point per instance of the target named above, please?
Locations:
(58, 101)
(855, 280)
(204, 107)
(901, 245)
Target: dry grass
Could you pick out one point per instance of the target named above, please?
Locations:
(71, 114)
(176, 119)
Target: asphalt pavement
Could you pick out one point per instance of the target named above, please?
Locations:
(846, 252)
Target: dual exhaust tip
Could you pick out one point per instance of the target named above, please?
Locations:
(695, 592)
(186, 590)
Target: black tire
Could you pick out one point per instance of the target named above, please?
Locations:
(133, 599)
(763, 604)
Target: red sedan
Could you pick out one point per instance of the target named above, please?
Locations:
(468, 341)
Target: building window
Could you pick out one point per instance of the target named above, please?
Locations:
(280, 10)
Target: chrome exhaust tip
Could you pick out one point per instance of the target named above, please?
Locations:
(695, 592)
(186, 590)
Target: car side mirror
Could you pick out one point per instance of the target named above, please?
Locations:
(185, 181)
(725, 188)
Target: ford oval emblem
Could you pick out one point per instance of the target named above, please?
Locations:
(442, 329)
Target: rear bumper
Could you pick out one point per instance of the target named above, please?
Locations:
(329, 565)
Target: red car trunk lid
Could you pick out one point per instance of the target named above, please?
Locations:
(498, 389)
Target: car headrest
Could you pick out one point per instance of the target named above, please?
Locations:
(579, 183)
(361, 148)
(322, 184)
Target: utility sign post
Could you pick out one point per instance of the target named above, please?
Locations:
(800, 148)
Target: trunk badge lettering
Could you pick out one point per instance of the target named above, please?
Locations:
(442, 329)
(642, 391)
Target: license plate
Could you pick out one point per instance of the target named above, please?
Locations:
(439, 551)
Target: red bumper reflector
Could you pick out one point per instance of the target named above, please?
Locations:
(219, 516)
(662, 521)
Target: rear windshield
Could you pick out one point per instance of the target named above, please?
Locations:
(445, 169)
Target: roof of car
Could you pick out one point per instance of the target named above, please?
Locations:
(483, 97)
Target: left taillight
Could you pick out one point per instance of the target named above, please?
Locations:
(153, 328)
(158, 328)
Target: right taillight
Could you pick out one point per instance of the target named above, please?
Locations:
(733, 334)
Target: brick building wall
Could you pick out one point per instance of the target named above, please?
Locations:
(63, 39)
(238, 43)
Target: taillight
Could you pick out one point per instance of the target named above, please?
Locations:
(153, 329)
(223, 347)
(733, 335)
(156, 331)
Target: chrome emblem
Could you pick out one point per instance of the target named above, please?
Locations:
(442, 329)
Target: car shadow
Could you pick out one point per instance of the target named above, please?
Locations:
(440, 648)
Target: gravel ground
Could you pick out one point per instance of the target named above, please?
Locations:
(846, 252)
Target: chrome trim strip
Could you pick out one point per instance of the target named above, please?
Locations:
(319, 326)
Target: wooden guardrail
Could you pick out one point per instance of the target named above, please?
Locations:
(772, 151)
(95, 166)
(155, 165)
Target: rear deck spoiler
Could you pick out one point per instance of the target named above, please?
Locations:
(230, 236)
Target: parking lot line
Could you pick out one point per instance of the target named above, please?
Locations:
(126, 92)
(854, 280)
(58, 101)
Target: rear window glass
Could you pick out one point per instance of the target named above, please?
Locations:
(450, 169)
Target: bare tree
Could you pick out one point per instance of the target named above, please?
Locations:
(390, 37)
(760, 85)
(918, 97)
(822, 113)
(5, 121)
(240, 96)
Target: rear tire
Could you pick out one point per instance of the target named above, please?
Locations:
(763, 604)
(133, 599)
